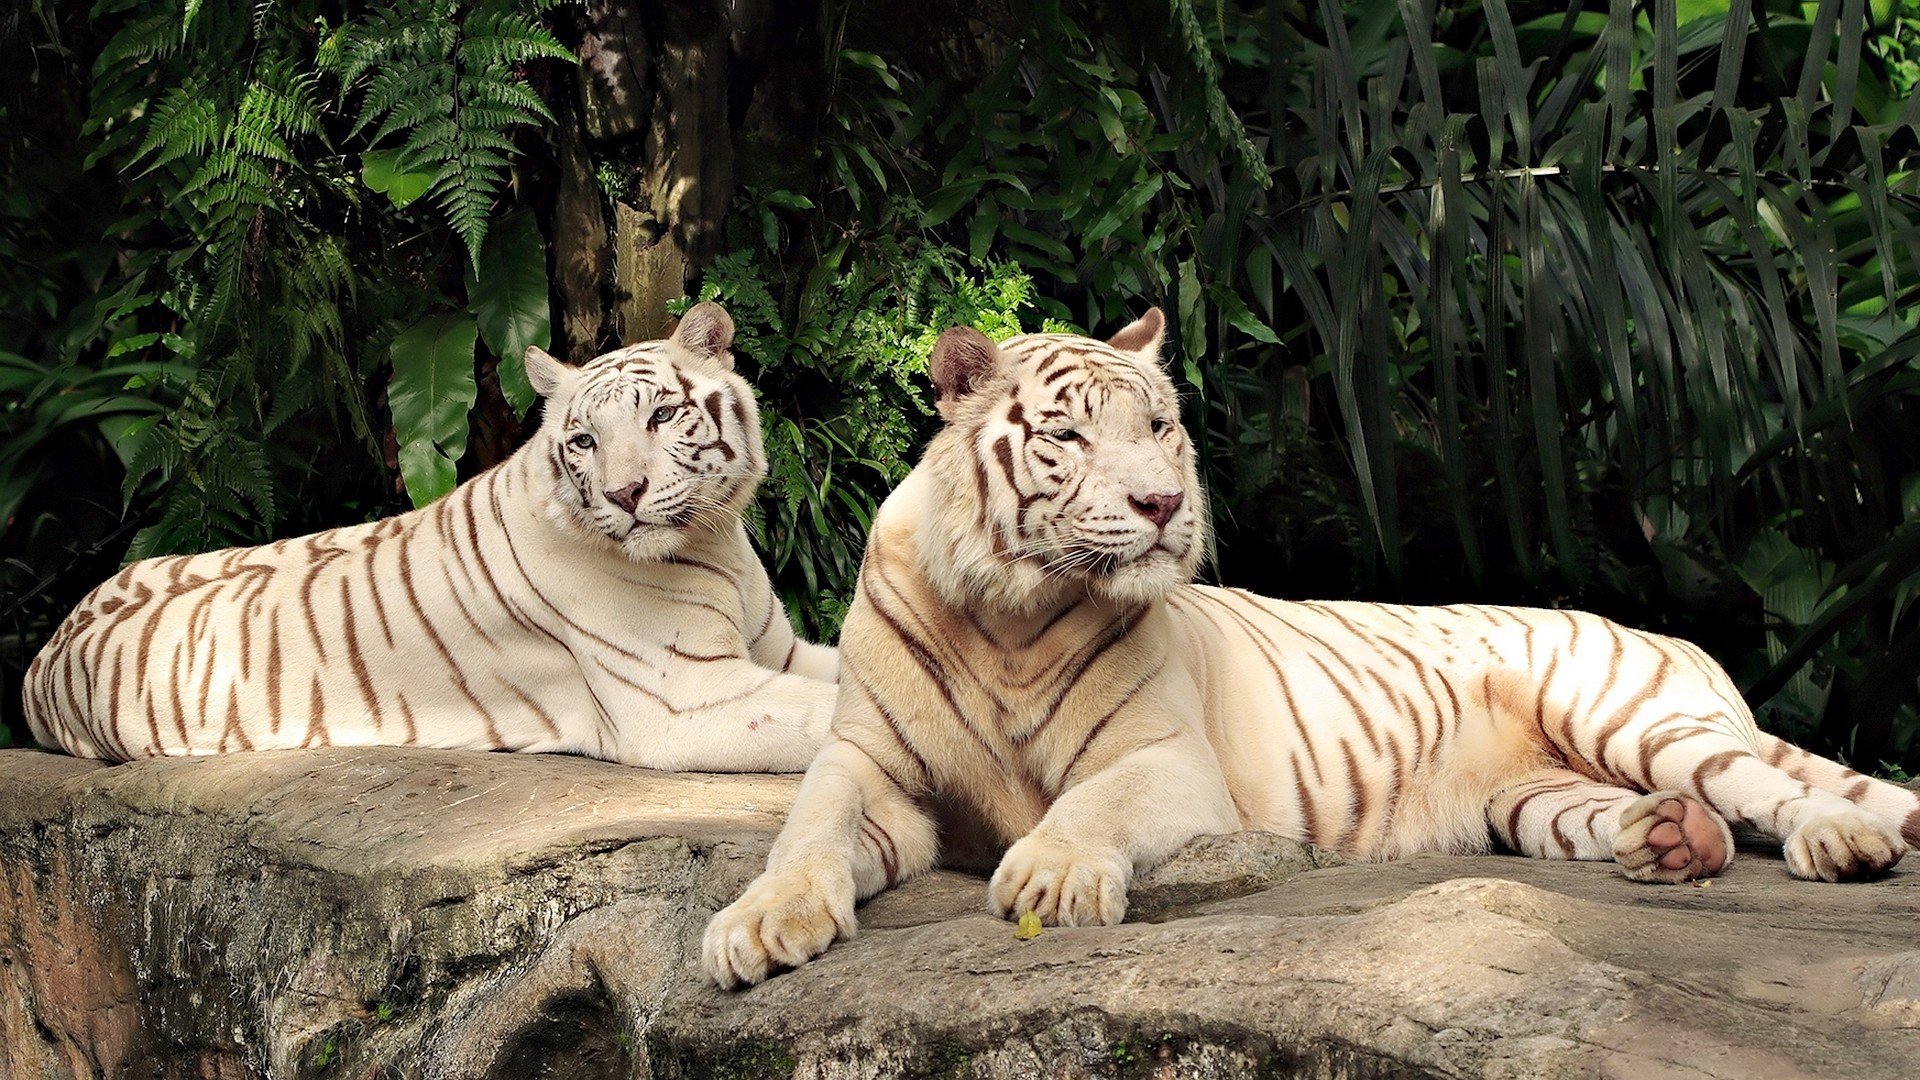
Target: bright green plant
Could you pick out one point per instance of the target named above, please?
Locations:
(839, 362)
(282, 314)
(441, 74)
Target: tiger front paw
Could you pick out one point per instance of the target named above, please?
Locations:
(1850, 845)
(1671, 837)
(1062, 885)
(783, 920)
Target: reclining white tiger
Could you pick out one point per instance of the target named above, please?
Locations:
(1025, 671)
(594, 593)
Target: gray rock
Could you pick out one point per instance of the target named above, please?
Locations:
(396, 913)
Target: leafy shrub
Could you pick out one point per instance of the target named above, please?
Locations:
(839, 361)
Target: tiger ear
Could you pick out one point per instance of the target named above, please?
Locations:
(962, 359)
(1142, 335)
(544, 372)
(706, 331)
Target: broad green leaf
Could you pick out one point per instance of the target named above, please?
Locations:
(1124, 209)
(509, 301)
(380, 170)
(874, 64)
(430, 394)
(1239, 317)
(792, 200)
(986, 223)
(131, 344)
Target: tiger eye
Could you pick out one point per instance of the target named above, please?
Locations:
(582, 441)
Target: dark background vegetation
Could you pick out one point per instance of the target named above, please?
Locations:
(1607, 305)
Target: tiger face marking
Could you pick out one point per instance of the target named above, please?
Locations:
(1083, 477)
(652, 439)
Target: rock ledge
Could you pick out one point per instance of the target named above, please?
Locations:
(399, 913)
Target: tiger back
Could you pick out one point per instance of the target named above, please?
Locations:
(1028, 675)
(594, 593)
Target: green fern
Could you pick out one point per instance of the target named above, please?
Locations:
(442, 76)
(185, 123)
(237, 129)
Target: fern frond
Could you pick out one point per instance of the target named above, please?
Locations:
(184, 123)
(282, 99)
(155, 452)
(152, 35)
(175, 532)
(450, 89)
(399, 86)
(507, 95)
(465, 195)
(500, 39)
(238, 477)
(403, 32)
(482, 125)
(426, 116)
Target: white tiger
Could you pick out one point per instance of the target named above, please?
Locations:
(593, 594)
(1026, 675)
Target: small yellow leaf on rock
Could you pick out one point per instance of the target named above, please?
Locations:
(1029, 927)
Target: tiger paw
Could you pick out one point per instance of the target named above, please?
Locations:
(782, 921)
(1849, 845)
(1062, 885)
(1669, 837)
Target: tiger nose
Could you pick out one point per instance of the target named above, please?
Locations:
(1158, 509)
(627, 497)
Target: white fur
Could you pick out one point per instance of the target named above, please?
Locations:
(524, 611)
(1079, 721)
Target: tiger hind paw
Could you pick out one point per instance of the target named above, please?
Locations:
(1850, 845)
(1670, 837)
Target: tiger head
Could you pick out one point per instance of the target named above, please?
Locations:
(649, 444)
(1063, 470)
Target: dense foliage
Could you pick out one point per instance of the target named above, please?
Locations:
(1605, 305)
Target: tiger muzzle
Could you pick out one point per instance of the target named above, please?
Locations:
(1158, 509)
(627, 498)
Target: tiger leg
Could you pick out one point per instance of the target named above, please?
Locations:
(1825, 837)
(1560, 814)
(723, 716)
(853, 832)
(1890, 801)
(1074, 867)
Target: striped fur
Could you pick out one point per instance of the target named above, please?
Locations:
(1079, 718)
(527, 610)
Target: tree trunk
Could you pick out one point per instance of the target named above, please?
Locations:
(669, 96)
(580, 254)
